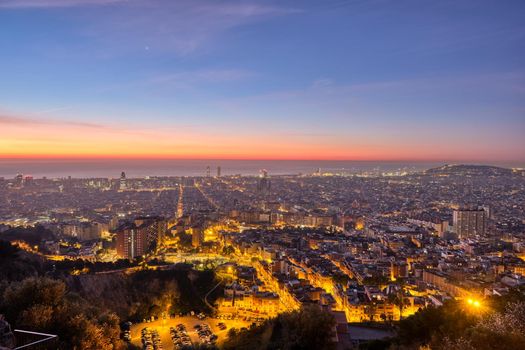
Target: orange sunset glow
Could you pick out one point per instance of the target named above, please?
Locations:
(262, 174)
(58, 139)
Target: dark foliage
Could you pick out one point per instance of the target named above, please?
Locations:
(455, 326)
(147, 293)
(84, 310)
(16, 264)
(308, 328)
(42, 304)
(30, 235)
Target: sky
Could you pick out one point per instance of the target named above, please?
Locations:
(326, 79)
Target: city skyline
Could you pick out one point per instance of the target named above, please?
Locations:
(262, 174)
(337, 80)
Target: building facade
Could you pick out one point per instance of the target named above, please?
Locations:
(469, 222)
(139, 237)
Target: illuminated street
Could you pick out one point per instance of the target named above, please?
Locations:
(262, 175)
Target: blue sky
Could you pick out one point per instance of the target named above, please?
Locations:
(437, 80)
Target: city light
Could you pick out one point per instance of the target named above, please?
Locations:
(292, 174)
(475, 303)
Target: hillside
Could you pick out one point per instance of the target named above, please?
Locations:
(469, 170)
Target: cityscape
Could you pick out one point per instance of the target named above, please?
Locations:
(365, 247)
(262, 175)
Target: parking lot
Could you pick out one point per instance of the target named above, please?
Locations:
(169, 329)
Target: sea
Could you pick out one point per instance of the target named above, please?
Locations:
(112, 168)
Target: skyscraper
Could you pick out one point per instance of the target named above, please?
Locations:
(219, 171)
(122, 184)
(180, 205)
(139, 237)
(208, 171)
(264, 184)
(19, 180)
(469, 222)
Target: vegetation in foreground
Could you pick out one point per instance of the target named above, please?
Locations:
(307, 328)
(43, 304)
(86, 311)
(498, 325)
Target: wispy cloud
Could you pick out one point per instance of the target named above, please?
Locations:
(55, 3)
(190, 78)
(182, 26)
(185, 80)
(156, 26)
(52, 110)
(15, 120)
(384, 106)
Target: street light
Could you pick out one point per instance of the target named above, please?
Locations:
(474, 303)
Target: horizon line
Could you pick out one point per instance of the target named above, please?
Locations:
(152, 158)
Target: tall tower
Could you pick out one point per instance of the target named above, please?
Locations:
(219, 171)
(122, 184)
(180, 207)
(469, 222)
(263, 184)
(208, 171)
(19, 179)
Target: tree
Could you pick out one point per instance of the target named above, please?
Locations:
(499, 325)
(497, 330)
(307, 328)
(228, 250)
(16, 264)
(400, 301)
(341, 278)
(42, 304)
(399, 298)
(435, 323)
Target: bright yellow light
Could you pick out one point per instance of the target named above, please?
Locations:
(474, 303)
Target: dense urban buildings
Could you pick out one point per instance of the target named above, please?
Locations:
(262, 175)
(363, 246)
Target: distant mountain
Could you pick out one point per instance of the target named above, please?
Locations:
(469, 170)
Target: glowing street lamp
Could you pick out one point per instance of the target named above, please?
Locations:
(474, 303)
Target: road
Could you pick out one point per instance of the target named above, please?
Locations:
(208, 198)
(211, 290)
